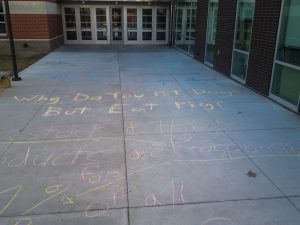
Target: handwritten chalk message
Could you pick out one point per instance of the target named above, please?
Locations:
(145, 106)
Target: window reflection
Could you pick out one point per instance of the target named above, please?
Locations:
(286, 78)
(244, 24)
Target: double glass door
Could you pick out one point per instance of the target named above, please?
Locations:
(146, 25)
(185, 26)
(86, 25)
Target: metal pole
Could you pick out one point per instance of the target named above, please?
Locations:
(11, 42)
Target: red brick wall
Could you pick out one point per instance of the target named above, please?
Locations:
(30, 26)
(201, 24)
(225, 35)
(263, 44)
(36, 26)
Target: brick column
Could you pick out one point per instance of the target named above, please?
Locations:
(225, 36)
(263, 44)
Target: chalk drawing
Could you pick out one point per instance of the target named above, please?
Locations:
(18, 190)
(44, 201)
(177, 195)
(24, 221)
(79, 97)
(217, 221)
(55, 111)
(152, 200)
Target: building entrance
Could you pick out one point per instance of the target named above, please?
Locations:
(110, 24)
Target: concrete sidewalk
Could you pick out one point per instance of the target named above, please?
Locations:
(143, 136)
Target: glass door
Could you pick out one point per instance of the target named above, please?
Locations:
(147, 24)
(179, 28)
(161, 24)
(70, 25)
(243, 31)
(116, 25)
(132, 25)
(211, 31)
(102, 28)
(85, 25)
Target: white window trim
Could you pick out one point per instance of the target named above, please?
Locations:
(3, 13)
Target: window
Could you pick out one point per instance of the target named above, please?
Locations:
(286, 77)
(2, 20)
(243, 31)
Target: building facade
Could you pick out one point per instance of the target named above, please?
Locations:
(255, 42)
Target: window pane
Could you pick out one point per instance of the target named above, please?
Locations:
(101, 19)
(132, 36)
(161, 26)
(161, 36)
(86, 35)
(289, 41)
(210, 53)
(70, 11)
(100, 12)
(71, 35)
(2, 28)
(286, 83)
(1, 7)
(101, 35)
(147, 12)
(131, 19)
(244, 24)
(239, 64)
(147, 36)
(117, 36)
(161, 12)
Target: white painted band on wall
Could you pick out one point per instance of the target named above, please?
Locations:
(31, 7)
